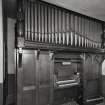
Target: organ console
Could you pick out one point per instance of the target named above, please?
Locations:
(67, 78)
(67, 83)
(64, 84)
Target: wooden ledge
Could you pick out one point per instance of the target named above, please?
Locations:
(55, 47)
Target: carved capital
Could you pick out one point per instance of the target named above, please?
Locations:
(85, 56)
(37, 52)
(20, 50)
(20, 42)
(51, 55)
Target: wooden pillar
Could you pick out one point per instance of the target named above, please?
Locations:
(20, 24)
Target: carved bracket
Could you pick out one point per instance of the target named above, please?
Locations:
(20, 50)
(20, 42)
(85, 56)
(51, 55)
(37, 52)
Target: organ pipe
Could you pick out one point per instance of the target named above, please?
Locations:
(49, 24)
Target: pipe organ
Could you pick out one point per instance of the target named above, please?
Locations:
(58, 55)
(53, 25)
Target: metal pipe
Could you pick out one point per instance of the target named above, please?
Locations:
(39, 23)
(52, 25)
(46, 23)
(36, 22)
(30, 12)
(49, 24)
(67, 38)
(71, 34)
(26, 23)
(42, 24)
(59, 26)
(32, 21)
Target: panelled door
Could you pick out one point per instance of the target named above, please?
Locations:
(33, 78)
(44, 79)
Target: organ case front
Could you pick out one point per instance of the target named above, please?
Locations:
(59, 55)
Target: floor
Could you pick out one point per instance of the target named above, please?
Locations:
(101, 104)
(77, 104)
(74, 103)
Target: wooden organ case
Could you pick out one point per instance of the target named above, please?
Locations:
(58, 55)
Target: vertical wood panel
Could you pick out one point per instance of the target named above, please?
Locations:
(19, 79)
(44, 79)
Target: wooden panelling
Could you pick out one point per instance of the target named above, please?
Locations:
(34, 77)
(92, 76)
(26, 77)
(44, 78)
(66, 72)
(29, 97)
(29, 69)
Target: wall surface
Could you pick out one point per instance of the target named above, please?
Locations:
(1, 44)
(1, 54)
(11, 59)
(92, 8)
(11, 45)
